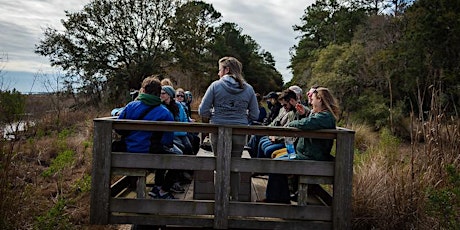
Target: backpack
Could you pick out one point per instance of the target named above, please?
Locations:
(120, 145)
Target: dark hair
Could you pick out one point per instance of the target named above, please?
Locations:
(172, 107)
(258, 96)
(151, 85)
(287, 94)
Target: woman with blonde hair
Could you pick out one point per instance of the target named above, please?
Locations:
(230, 100)
(325, 111)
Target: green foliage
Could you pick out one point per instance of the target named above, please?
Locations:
(192, 38)
(429, 48)
(444, 203)
(112, 45)
(258, 66)
(376, 115)
(87, 144)
(64, 134)
(12, 106)
(62, 162)
(389, 146)
(352, 48)
(55, 218)
(388, 142)
(83, 184)
(324, 23)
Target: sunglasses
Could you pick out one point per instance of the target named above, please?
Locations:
(180, 95)
(309, 93)
(285, 105)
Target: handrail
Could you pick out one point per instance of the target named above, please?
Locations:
(104, 208)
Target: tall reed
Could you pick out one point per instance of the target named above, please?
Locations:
(392, 181)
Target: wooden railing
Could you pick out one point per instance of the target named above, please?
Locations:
(220, 212)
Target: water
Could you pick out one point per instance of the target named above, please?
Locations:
(289, 142)
(9, 131)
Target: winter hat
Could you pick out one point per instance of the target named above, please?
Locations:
(169, 90)
(297, 90)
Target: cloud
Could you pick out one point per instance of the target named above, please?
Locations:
(269, 23)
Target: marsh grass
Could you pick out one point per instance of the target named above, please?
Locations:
(396, 185)
(399, 185)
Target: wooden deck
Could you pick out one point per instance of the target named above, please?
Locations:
(214, 199)
(258, 186)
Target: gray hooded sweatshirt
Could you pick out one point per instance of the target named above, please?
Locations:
(225, 103)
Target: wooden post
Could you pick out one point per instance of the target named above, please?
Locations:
(341, 206)
(222, 186)
(100, 175)
(302, 196)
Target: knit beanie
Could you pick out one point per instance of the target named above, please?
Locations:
(169, 90)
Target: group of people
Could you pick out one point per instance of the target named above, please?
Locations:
(230, 100)
(159, 101)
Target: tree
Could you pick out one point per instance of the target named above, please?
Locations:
(431, 45)
(193, 27)
(111, 45)
(325, 22)
(258, 66)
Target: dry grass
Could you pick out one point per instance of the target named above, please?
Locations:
(29, 194)
(365, 137)
(392, 180)
(390, 183)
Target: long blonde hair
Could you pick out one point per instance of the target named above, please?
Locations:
(235, 69)
(329, 101)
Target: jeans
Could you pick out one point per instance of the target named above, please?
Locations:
(267, 147)
(253, 143)
(184, 144)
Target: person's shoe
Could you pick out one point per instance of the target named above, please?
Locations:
(295, 196)
(155, 192)
(176, 188)
(166, 196)
(247, 147)
(187, 177)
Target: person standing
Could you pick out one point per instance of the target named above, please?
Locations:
(230, 100)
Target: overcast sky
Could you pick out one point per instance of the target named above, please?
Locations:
(268, 22)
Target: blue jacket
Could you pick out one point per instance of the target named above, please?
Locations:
(225, 103)
(181, 118)
(140, 141)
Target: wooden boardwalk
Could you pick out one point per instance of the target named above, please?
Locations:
(258, 186)
(214, 199)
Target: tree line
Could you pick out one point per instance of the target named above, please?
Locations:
(382, 58)
(107, 48)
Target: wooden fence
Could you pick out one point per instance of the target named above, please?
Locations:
(220, 212)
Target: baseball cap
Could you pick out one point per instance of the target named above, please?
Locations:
(271, 95)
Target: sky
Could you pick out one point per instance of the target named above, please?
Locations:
(22, 22)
